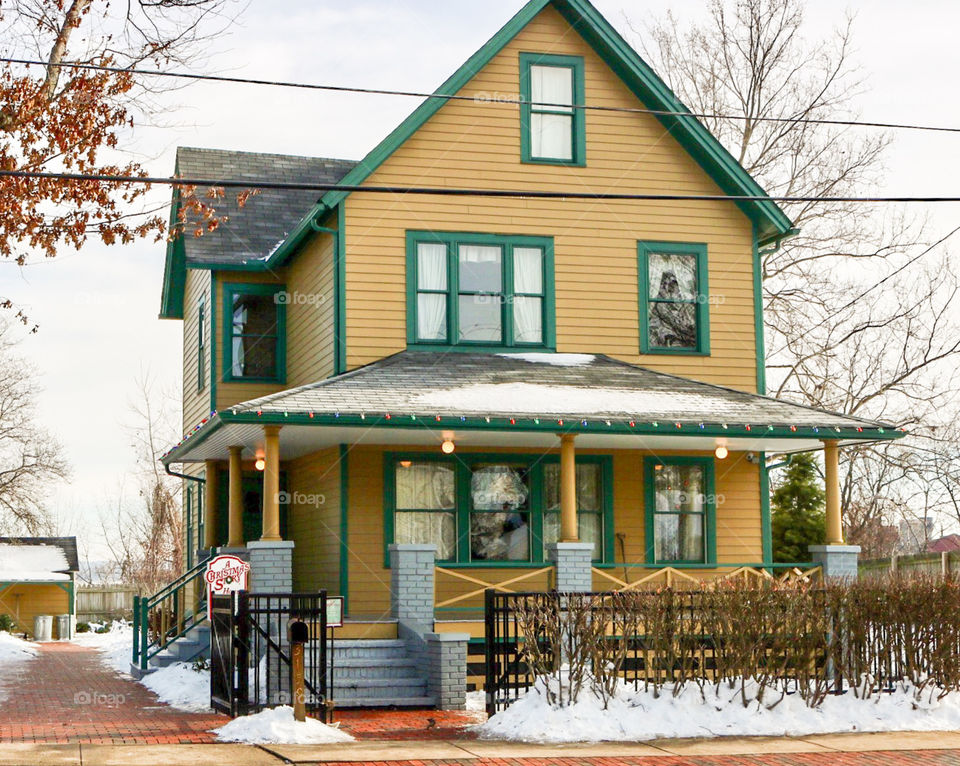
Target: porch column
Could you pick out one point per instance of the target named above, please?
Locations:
(271, 484)
(210, 522)
(235, 505)
(837, 560)
(831, 475)
(569, 532)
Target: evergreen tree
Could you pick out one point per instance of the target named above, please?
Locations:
(797, 504)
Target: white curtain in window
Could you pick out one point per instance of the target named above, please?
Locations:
(551, 85)
(431, 307)
(527, 279)
(438, 529)
(551, 127)
(527, 319)
(528, 270)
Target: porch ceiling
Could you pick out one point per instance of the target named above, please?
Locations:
(519, 400)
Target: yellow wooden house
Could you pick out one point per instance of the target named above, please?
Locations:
(502, 376)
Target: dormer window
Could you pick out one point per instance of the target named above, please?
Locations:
(479, 290)
(254, 342)
(552, 128)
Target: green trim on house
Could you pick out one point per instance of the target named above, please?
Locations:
(213, 343)
(174, 268)
(508, 243)
(578, 135)
(710, 507)
(201, 342)
(344, 526)
(546, 424)
(646, 248)
(766, 526)
(461, 463)
(340, 274)
(230, 289)
(761, 352)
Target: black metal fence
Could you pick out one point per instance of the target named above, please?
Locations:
(250, 652)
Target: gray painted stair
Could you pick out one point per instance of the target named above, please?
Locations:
(191, 645)
(376, 673)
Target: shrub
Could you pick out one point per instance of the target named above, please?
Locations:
(763, 642)
(102, 629)
(83, 627)
(7, 623)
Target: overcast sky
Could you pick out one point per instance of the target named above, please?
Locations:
(97, 309)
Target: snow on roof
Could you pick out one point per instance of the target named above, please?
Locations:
(33, 563)
(557, 360)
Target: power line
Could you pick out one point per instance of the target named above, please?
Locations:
(250, 183)
(479, 98)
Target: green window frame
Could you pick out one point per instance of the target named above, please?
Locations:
(463, 465)
(278, 331)
(578, 132)
(700, 302)
(709, 505)
(202, 343)
(509, 297)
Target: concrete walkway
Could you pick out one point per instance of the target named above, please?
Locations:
(896, 749)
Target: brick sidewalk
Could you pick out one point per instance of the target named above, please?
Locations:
(66, 695)
(881, 758)
(408, 724)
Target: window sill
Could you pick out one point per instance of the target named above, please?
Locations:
(557, 163)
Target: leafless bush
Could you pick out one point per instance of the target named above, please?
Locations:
(759, 641)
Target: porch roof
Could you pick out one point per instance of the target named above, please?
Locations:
(422, 396)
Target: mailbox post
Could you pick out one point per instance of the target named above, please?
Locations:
(298, 633)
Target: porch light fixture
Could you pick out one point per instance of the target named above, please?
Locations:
(406, 463)
(447, 447)
(260, 464)
(721, 451)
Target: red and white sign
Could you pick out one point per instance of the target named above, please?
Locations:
(225, 574)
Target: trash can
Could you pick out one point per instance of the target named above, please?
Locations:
(43, 627)
(65, 627)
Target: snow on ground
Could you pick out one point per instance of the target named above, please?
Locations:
(637, 716)
(476, 702)
(14, 654)
(556, 360)
(277, 726)
(178, 685)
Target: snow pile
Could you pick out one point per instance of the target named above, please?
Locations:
(547, 399)
(32, 563)
(555, 360)
(277, 726)
(178, 685)
(637, 715)
(181, 686)
(14, 653)
(115, 647)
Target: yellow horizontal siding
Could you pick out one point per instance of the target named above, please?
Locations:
(24, 601)
(310, 313)
(314, 485)
(478, 145)
(196, 402)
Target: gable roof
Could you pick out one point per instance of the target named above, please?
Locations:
(255, 229)
(770, 221)
(38, 558)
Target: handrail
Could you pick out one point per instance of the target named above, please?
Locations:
(171, 613)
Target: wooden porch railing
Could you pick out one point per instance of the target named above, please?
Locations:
(671, 576)
(503, 585)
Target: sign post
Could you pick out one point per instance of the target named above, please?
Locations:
(224, 575)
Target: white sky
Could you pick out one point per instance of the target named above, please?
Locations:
(97, 309)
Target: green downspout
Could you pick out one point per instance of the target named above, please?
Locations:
(339, 271)
(761, 350)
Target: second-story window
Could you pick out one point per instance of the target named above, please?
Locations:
(674, 300)
(552, 127)
(202, 343)
(480, 290)
(254, 349)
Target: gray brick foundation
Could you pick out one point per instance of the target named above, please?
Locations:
(411, 585)
(271, 566)
(445, 656)
(837, 561)
(574, 562)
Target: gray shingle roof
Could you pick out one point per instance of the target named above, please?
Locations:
(572, 386)
(254, 230)
(67, 544)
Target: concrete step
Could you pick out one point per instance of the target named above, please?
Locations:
(381, 688)
(367, 668)
(367, 649)
(371, 702)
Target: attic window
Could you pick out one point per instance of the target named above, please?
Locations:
(552, 128)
